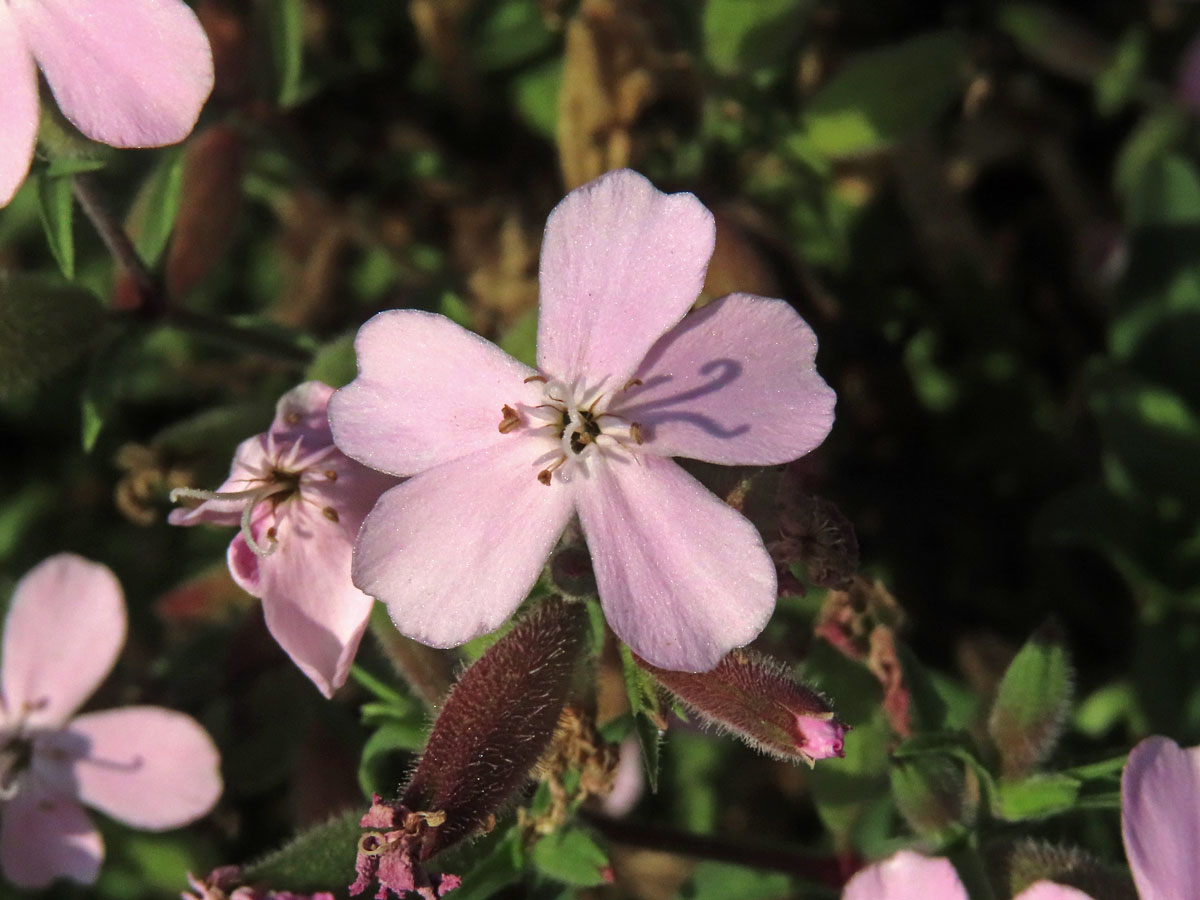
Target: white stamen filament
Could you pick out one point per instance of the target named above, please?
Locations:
(252, 498)
(577, 421)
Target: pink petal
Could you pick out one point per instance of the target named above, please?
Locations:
(18, 107)
(44, 836)
(312, 609)
(131, 73)
(621, 263)
(1048, 890)
(906, 876)
(64, 630)
(683, 578)
(454, 550)
(427, 392)
(146, 766)
(733, 383)
(1160, 796)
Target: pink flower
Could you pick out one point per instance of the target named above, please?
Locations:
(130, 73)
(503, 456)
(1160, 819)
(148, 767)
(910, 876)
(299, 503)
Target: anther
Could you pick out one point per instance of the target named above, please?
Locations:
(544, 477)
(292, 417)
(331, 474)
(271, 533)
(635, 432)
(510, 419)
(541, 378)
(632, 383)
(330, 513)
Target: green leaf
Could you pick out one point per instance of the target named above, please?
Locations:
(506, 33)
(1032, 702)
(535, 94)
(520, 341)
(571, 855)
(155, 207)
(751, 35)
(314, 860)
(1166, 194)
(45, 326)
(646, 707)
(287, 47)
(387, 756)
(1060, 42)
(502, 867)
(334, 363)
(1118, 84)
(1036, 797)
(57, 207)
(724, 881)
(860, 110)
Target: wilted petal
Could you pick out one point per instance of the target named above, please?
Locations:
(683, 578)
(734, 383)
(427, 392)
(44, 836)
(454, 550)
(311, 607)
(130, 73)
(1048, 890)
(64, 630)
(18, 107)
(621, 263)
(907, 876)
(1160, 795)
(146, 766)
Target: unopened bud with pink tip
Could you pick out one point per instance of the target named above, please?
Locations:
(758, 699)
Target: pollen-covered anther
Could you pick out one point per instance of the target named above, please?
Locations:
(330, 513)
(510, 419)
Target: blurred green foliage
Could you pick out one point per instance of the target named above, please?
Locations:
(990, 214)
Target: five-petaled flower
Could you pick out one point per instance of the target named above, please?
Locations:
(299, 503)
(502, 456)
(130, 73)
(145, 766)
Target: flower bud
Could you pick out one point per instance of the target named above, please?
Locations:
(934, 792)
(758, 699)
(496, 724)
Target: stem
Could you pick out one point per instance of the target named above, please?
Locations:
(427, 671)
(154, 304)
(823, 870)
(152, 299)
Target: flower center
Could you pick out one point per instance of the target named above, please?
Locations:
(278, 481)
(576, 423)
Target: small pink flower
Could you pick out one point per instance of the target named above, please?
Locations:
(130, 73)
(503, 456)
(1160, 819)
(148, 767)
(910, 876)
(299, 503)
